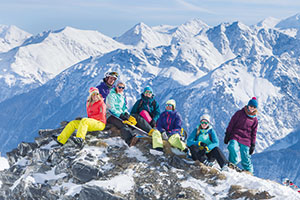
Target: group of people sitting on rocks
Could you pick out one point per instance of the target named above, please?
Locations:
(106, 104)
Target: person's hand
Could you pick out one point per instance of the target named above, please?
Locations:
(226, 138)
(124, 116)
(252, 148)
(153, 123)
(202, 146)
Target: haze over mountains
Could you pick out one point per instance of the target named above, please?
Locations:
(205, 69)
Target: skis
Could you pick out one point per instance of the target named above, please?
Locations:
(140, 133)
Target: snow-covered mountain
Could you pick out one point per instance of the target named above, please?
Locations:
(209, 69)
(43, 56)
(11, 36)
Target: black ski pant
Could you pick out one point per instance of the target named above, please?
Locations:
(142, 123)
(126, 132)
(215, 153)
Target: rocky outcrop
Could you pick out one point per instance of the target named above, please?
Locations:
(46, 170)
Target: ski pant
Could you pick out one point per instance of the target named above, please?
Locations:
(142, 123)
(115, 121)
(127, 133)
(202, 155)
(174, 140)
(83, 126)
(234, 147)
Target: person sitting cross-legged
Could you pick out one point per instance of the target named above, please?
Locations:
(203, 143)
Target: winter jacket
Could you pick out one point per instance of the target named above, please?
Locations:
(104, 89)
(242, 128)
(207, 136)
(146, 105)
(169, 122)
(97, 111)
(116, 103)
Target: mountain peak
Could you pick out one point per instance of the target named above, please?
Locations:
(290, 22)
(269, 22)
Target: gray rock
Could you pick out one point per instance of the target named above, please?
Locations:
(96, 193)
(85, 172)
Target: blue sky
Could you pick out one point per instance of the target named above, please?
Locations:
(114, 17)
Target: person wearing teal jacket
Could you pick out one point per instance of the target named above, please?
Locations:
(204, 144)
(116, 101)
(118, 112)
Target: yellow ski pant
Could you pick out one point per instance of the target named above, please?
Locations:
(174, 140)
(83, 126)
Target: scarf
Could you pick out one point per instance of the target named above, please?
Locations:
(248, 113)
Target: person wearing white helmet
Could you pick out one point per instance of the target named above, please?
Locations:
(204, 144)
(168, 128)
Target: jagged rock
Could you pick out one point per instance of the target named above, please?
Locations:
(85, 172)
(236, 192)
(96, 193)
(67, 172)
(26, 148)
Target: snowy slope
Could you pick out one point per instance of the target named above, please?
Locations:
(33, 63)
(11, 36)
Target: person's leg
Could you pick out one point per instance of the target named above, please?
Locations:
(157, 141)
(89, 124)
(233, 148)
(175, 141)
(127, 134)
(198, 154)
(218, 155)
(67, 132)
(246, 158)
(142, 123)
(115, 121)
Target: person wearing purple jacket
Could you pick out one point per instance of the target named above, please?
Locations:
(241, 135)
(107, 84)
(169, 128)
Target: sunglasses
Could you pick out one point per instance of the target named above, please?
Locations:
(121, 87)
(95, 93)
(148, 92)
(169, 105)
(204, 123)
(252, 106)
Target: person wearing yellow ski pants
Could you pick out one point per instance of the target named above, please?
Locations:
(83, 126)
(174, 140)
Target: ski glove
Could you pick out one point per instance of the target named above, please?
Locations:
(251, 150)
(124, 116)
(202, 146)
(153, 123)
(226, 138)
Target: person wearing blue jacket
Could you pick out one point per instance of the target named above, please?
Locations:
(169, 128)
(146, 104)
(107, 84)
(204, 144)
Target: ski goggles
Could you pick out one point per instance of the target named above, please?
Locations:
(121, 87)
(204, 122)
(148, 92)
(113, 74)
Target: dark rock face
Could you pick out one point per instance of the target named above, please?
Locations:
(46, 170)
